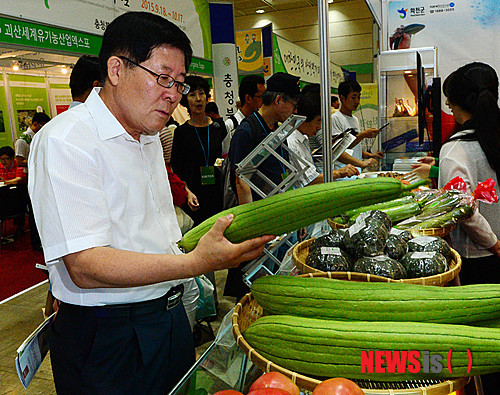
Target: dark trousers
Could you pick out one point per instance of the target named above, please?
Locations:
(36, 244)
(484, 270)
(144, 354)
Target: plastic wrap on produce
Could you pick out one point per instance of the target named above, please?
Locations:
(401, 233)
(381, 265)
(423, 264)
(396, 247)
(366, 237)
(440, 208)
(332, 239)
(329, 259)
(430, 244)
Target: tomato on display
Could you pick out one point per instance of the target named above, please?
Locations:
(275, 380)
(269, 391)
(338, 386)
(228, 392)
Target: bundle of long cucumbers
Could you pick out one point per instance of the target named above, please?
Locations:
(329, 328)
(298, 208)
(432, 209)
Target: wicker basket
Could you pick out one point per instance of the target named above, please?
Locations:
(301, 250)
(335, 225)
(248, 311)
(438, 232)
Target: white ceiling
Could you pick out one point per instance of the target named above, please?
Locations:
(248, 7)
(51, 63)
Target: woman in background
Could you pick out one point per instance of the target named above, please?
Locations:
(197, 145)
(473, 153)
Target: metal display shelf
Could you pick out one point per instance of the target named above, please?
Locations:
(248, 168)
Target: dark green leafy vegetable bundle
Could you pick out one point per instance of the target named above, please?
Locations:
(423, 264)
(430, 244)
(332, 239)
(395, 247)
(368, 235)
(381, 266)
(402, 234)
(329, 259)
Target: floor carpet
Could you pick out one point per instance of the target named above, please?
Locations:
(17, 264)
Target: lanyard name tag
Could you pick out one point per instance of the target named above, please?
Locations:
(207, 175)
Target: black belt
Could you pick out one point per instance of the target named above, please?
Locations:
(168, 301)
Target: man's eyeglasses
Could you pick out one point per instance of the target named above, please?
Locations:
(295, 104)
(163, 79)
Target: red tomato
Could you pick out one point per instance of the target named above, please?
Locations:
(275, 380)
(338, 386)
(228, 392)
(269, 391)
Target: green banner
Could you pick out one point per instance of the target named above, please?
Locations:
(29, 95)
(201, 66)
(5, 135)
(44, 37)
(202, 9)
(278, 61)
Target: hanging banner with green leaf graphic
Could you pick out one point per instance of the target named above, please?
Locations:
(92, 16)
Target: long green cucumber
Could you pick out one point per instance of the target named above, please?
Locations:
(493, 323)
(355, 301)
(298, 208)
(379, 206)
(327, 348)
(455, 215)
(397, 213)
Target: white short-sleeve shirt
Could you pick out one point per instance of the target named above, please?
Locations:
(299, 144)
(91, 185)
(340, 123)
(21, 147)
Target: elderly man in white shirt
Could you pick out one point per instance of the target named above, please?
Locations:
(103, 204)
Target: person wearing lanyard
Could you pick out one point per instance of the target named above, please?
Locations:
(279, 101)
(103, 205)
(197, 145)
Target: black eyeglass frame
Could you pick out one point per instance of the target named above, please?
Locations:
(182, 88)
(289, 100)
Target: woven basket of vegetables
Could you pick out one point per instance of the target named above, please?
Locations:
(301, 251)
(247, 311)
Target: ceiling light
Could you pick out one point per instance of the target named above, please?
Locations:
(407, 71)
(330, 1)
(64, 70)
(15, 67)
(260, 11)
